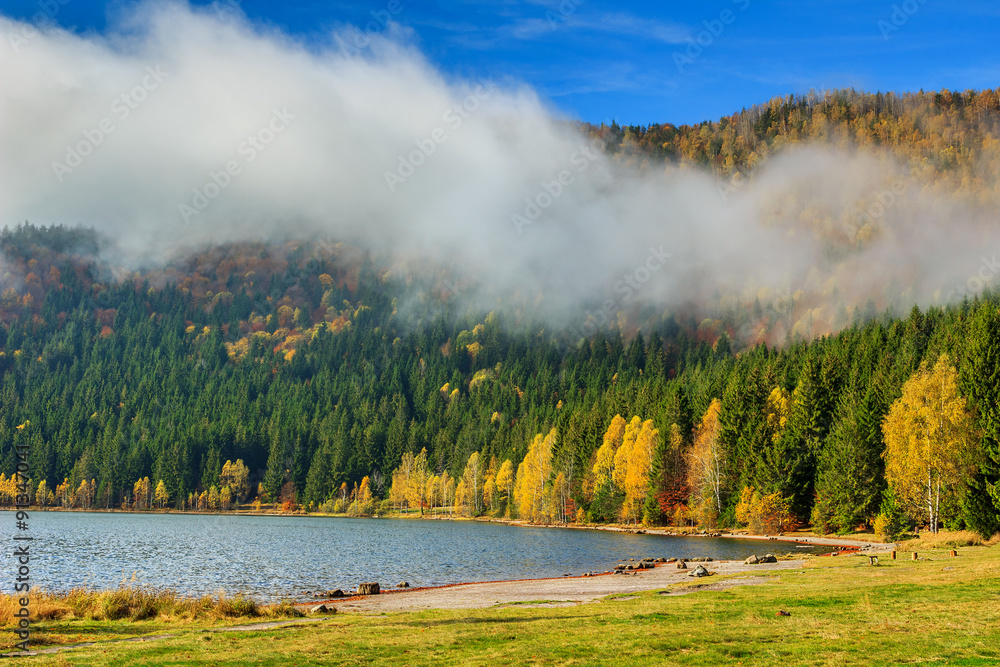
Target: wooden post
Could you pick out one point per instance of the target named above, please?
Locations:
(953, 553)
(894, 554)
(914, 556)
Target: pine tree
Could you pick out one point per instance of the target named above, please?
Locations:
(980, 381)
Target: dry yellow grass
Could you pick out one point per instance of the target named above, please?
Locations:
(947, 540)
(137, 603)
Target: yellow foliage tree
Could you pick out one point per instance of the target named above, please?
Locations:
(42, 494)
(533, 477)
(776, 411)
(472, 476)
(417, 487)
(432, 491)
(237, 477)
(604, 463)
(705, 467)
(930, 444)
(461, 498)
(633, 461)
(490, 484)
(763, 514)
(505, 484)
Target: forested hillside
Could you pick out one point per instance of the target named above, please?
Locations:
(299, 360)
(948, 138)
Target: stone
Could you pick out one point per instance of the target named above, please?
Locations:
(403, 584)
(700, 571)
(670, 560)
(336, 594)
(323, 609)
(369, 588)
(752, 560)
(681, 565)
(769, 558)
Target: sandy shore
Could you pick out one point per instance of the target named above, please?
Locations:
(563, 591)
(554, 592)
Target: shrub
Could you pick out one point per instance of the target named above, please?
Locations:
(238, 606)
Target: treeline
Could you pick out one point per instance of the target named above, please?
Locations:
(299, 367)
(943, 136)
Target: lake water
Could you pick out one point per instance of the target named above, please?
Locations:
(276, 557)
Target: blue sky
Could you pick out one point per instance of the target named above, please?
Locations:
(643, 62)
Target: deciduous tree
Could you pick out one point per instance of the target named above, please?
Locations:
(930, 440)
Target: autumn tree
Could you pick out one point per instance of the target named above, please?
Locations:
(766, 513)
(930, 440)
(607, 496)
(559, 497)
(237, 477)
(633, 462)
(667, 496)
(533, 478)
(160, 496)
(416, 484)
(705, 462)
(505, 484)
(42, 494)
(472, 477)
(490, 485)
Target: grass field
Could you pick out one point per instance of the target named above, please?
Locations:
(939, 610)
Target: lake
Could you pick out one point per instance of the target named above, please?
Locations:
(274, 557)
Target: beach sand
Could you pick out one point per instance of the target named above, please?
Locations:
(561, 591)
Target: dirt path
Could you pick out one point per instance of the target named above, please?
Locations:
(561, 591)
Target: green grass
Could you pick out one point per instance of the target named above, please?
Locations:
(843, 612)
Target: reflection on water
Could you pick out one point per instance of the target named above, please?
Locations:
(275, 557)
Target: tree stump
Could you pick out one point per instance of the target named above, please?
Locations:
(953, 553)
(914, 557)
(894, 554)
(368, 589)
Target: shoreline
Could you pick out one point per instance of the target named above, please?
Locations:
(569, 590)
(561, 591)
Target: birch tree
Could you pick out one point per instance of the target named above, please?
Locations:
(930, 442)
(705, 465)
(533, 477)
